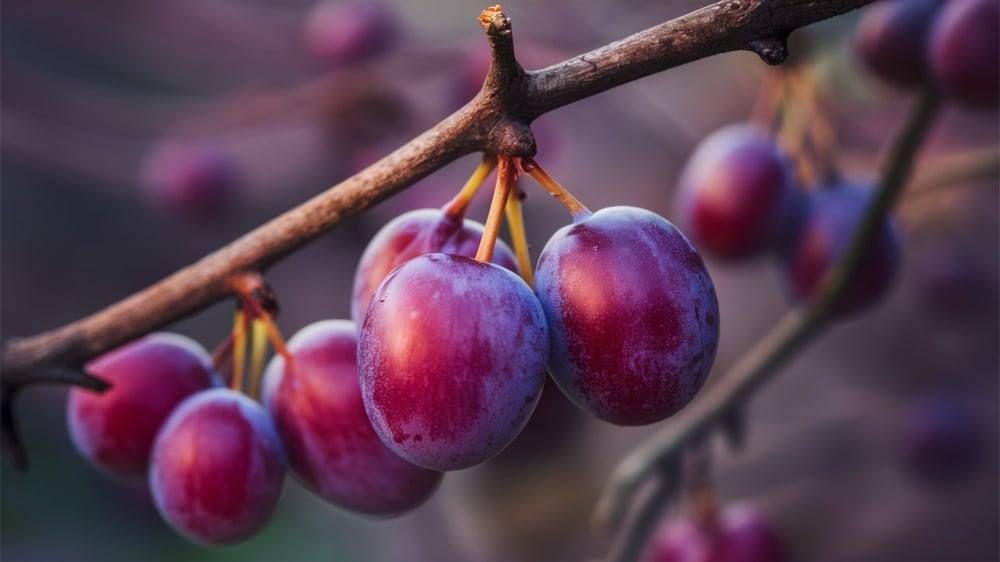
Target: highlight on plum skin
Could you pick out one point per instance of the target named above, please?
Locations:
(891, 39)
(736, 192)
(418, 232)
(192, 178)
(217, 468)
(149, 377)
(739, 533)
(632, 312)
(831, 216)
(315, 401)
(964, 52)
(452, 359)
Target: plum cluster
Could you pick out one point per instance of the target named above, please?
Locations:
(955, 44)
(454, 350)
(738, 533)
(739, 198)
(440, 369)
(214, 461)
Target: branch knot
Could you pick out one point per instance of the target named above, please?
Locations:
(772, 50)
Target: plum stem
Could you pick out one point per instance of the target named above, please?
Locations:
(763, 361)
(504, 185)
(455, 209)
(576, 209)
(222, 356)
(518, 235)
(258, 352)
(765, 107)
(239, 349)
(276, 339)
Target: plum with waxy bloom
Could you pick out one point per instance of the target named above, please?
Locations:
(632, 312)
(315, 400)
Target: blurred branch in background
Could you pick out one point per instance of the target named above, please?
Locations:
(660, 456)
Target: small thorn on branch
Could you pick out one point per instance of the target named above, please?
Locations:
(772, 50)
(10, 440)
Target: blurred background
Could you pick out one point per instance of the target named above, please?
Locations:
(106, 104)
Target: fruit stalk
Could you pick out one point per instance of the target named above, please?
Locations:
(505, 184)
(455, 209)
(515, 221)
(258, 352)
(576, 209)
(239, 349)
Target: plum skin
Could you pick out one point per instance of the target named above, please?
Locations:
(964, 52)
(940, 440)
(342, 33)
(196, 179)
(891, 39)
(418, 232)
(737, 534)
(833, 212)
(452, 359)
(149, 377)
(736, 192)
(633, 316)
(217, 468)
(316, 404)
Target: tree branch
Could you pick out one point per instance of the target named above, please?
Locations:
(495, 121)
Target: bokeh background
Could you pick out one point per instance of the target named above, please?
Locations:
(91, 89)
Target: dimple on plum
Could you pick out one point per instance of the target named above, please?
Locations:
(632, 312)
(316, 403)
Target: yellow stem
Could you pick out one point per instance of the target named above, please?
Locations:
(505, 182)
(820, 134)
(457, 206)
(239, 350)
(768, 99)
(258, 352)
(572, 204)
(277, 341)
(515, 222)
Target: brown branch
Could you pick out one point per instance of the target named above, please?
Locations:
(496, 121)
